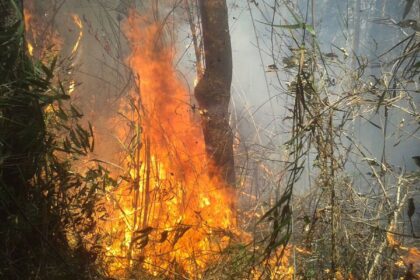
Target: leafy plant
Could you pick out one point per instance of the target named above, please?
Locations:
(45, 203)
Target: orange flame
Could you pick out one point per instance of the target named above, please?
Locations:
(42, 40)
(278, 265)
(409, 257)
(170, 215)
(409, 260)
(412, 260)
(78, 22)
(27, 16)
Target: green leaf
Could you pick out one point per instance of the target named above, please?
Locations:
(299, 25)
(310, 29)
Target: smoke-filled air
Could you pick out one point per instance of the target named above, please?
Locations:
(209, 139)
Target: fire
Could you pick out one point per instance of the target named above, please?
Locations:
(170, 216)
(303, 251)
(392, 241)
(78, 22)
(72, 86)
(43, 41)
(27, 16)
(409, 258)
(30, 49)
(28, 19)
(412, 260)
(278, 265)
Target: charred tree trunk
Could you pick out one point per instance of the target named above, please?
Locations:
(213, 89)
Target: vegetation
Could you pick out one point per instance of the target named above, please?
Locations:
(324, 204)
(42, 199)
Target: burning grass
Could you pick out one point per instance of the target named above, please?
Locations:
(171, 215)
(168, 215)
(43, 40)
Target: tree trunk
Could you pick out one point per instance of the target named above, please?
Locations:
(213, 89)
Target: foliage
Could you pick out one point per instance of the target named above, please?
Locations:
(349, 224)
(42, 197)
(345, 226)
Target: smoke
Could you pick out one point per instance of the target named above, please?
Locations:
(352, 30)
(260, 96)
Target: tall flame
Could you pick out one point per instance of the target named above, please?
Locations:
(27, 16)
(78, 23)
(170, 214)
